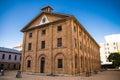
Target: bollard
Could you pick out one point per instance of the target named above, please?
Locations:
(1, 72)
(18, 75)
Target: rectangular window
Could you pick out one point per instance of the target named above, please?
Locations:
(3, 56)
(15, 57)
(29, 63)
(81, 61)
(75, 43)
(59, 28)
(60, 63)
(42, 44)
(74, 29)
(9, 57)
(80, 33)
(80, 45)
(59, 42)
(30, 35)
(29, 46)
(43, 32)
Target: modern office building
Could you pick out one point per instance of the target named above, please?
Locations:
(112, 38)
(111, 45)
(56, 43)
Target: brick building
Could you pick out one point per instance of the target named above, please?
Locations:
(58, 44)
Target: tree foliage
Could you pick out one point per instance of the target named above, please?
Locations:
(115, 59)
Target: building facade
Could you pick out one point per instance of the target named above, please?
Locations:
(57, 43)
(9, 58)
(111, 45)
(112, 38)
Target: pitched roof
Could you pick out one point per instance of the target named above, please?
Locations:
(53, 13)
(2, 49)
(60, 14)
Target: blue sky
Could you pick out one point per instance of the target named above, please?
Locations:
(99, 17)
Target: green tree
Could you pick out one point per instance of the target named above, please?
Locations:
(115, 59)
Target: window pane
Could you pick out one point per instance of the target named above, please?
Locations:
(3, 56)
(15, 57)
(80, 45)
(75, 43)
(79, 33)
(29, 46)
(75, 61)
(42, 44)
(43, 32)
(9, 57)
(74, 29)
(59, 42)
(59, 28)
(29, 64)
(30, 35)
(59, 63)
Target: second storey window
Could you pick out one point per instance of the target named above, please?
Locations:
(29, 46)
(15, 57)
(75, 42)
(3, 56)
(74, 29)
(43, 32)
(9, 57)
(59, 42)
(30, 35)
(59, 28)
(79, 33)
(42, 44)
(80, 45)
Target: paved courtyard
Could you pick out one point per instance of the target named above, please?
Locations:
(105, 75)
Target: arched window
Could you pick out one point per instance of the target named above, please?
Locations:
(75, 61)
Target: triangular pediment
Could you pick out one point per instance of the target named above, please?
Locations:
(44, 18)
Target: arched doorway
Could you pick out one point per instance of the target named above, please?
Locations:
(42, 65)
